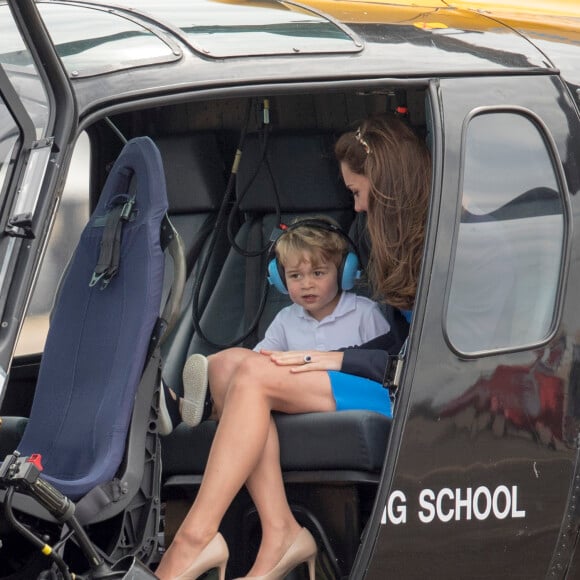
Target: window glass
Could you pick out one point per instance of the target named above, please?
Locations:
(228, 29)
(507, 265)
(9, 136)
(111, 42)
(71, 217)
(16, 60)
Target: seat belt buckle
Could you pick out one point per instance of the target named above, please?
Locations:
(127, 209)
(95, 278)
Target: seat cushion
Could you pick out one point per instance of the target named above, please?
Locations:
(344, 440)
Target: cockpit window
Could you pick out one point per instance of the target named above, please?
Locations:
(221, 29)
(17, 62)
(507, 265)
(9, 136)
(93, 40)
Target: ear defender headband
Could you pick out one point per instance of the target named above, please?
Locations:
(348, 270)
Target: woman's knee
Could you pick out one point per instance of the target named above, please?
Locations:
(251, 370)
(251, 375)
(228, 354)
(223, 364)
(223, 367)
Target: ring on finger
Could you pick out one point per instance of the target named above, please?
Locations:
(307, 358)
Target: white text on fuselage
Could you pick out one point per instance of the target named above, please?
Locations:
(456, 504)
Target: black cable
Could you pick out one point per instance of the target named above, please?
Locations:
(239, 339)
(196, 315)
(263, 157)
(36, 541)
(116, 131)
(219, 223)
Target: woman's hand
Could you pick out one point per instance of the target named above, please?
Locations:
(306, 360)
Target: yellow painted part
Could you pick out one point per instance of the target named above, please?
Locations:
(360, 12)
(374, 10)
(534, 18)
(46, 550)
(544, 18)
(541, 8)
(537, 8)
(430, 25)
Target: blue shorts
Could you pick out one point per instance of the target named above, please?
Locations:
(352, 393)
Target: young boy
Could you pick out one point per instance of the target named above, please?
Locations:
(313, 264)
(314, 260)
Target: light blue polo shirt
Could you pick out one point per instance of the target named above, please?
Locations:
(356, 319)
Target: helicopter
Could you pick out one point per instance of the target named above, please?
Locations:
(478, 473)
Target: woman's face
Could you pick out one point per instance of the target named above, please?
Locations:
(360, 186)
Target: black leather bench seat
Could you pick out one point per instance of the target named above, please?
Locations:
(301, 178)
(339, 441)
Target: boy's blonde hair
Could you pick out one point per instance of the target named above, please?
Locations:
(319, 244)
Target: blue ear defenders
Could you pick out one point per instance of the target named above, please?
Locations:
(348, 271)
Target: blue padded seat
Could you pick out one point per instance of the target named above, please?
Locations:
(99, 337)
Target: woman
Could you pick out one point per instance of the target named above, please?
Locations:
(388, 169)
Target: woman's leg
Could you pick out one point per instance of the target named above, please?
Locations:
(257, 387)
(266, 487)
(265, 484)
(222, 367)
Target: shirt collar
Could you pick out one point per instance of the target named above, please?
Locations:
(346, 304)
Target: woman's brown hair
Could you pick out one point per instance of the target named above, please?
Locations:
(398, 165)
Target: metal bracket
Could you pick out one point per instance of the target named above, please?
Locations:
(20, 226)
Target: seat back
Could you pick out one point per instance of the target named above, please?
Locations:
(100, 331)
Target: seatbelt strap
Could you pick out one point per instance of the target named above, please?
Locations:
(110, 254)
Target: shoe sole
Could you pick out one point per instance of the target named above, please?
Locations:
(194, 389)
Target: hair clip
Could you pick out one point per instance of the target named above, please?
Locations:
(359, 138)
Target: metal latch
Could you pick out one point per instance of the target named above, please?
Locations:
(20, 226)
(393, 372)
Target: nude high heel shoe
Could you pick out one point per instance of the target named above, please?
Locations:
(302, 550)
(214, 555)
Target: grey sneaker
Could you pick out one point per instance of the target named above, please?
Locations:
(194, 389)
(169, 416)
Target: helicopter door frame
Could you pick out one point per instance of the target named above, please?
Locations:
(34, 175)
